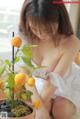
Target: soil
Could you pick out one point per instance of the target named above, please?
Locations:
(20, 107)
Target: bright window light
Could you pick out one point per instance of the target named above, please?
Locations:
(9, 19)
(9, 15)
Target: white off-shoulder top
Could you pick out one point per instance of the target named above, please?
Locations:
(68, 86)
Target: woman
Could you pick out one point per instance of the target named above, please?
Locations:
(47, 25)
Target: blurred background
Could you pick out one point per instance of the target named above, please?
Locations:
(9, 19)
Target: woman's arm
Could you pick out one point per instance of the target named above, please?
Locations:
(64, 63)
(41, 112)
(69, 51)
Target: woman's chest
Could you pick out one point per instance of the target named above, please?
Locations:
(47, 55)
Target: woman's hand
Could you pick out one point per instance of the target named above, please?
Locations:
(47, 91)
(41, 111)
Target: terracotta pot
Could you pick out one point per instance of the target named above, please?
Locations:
(30, 116)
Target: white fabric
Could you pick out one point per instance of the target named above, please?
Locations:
(68, 86)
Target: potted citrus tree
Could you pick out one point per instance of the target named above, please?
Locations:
(14, 96)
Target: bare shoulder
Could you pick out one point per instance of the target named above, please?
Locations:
(71, 43)
(74, 42)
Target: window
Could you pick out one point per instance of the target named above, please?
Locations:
(9, 15)
(9, 19)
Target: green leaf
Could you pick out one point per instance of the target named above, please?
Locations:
(27, 52)
(2, 69)
(27, 60)
(17, 59)
(29, 94)
(30, 46)
(39, 67)
(11, 80)
(8, 92)
(8, 63)
(26, 69)
(26, 95)
(26, 49)
(23, 96)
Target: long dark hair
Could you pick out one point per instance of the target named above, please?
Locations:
(44, 12)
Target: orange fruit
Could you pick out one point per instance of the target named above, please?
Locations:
(37, 104)
(31, 81)
(2, 95)
(77, 58)
(20, 79)
(16, 42)
(17, 89)
(1, 84)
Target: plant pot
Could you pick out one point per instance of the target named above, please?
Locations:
(28, 116)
